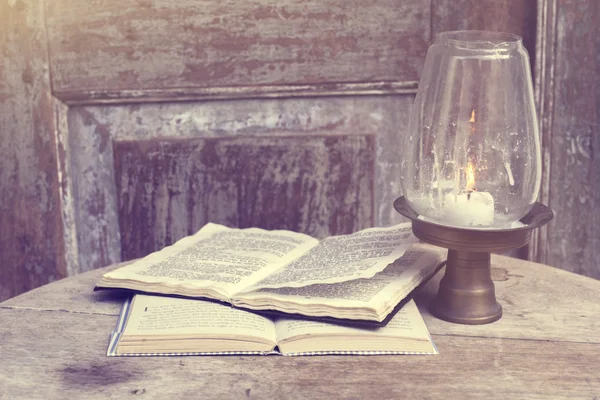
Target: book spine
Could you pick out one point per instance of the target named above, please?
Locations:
(116, 335)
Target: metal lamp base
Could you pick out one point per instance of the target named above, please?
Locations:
(466, 294)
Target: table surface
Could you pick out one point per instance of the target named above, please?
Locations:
(53, 343)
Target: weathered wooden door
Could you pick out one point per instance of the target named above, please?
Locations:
(568, 96)
(136, 122)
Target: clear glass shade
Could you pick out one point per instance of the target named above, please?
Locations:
(472, 153)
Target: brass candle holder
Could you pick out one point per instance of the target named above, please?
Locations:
(466, 294)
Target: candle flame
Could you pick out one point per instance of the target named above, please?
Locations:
(470, 175)
(472, 116)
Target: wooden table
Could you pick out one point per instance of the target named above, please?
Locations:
(547, 345)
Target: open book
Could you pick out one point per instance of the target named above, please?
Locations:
(361, 276)
(156, 325)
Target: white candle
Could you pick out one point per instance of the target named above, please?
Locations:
(473, 209)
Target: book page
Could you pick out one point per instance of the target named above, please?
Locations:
(369, 299)
(342, 258)
(171, 316)
(217, 256)
(406, 323)
(406, 333)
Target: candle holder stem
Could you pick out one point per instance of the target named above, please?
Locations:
(466, 294)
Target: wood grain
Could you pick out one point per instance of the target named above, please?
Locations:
(168, 189)
(544, 96)
(511, 16)
(539, 302)
(85, 97)
(569, 101)
(108, 47)
(72, 295)
(92, 131)
(545, 346)
(31, 243)
(73, 364)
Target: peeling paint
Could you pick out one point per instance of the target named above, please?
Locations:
(99, 47)
(320, 185)
(30, 225)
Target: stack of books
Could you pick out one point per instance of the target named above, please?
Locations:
(253, 291)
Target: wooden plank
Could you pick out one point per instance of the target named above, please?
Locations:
(31, 232)
(87, 97)
(63, 355)
(92, 130)
(75, 295)
(544, 97)
(539, 302)
(570, 102)
(511, 16)
(91, 190)
(168, 189)
(102, 48)
(65, 188)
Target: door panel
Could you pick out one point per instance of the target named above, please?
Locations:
(568, 96)
(95, 131)
(31, 232)
(170, 188)
(111, 46)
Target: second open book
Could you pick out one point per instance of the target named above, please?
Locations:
(362, 276)
(157, 325)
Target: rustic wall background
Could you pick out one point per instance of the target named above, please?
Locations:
(568, 96)
(127, 125)
(31, 228)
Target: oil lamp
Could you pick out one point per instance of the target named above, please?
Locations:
(471, 168)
